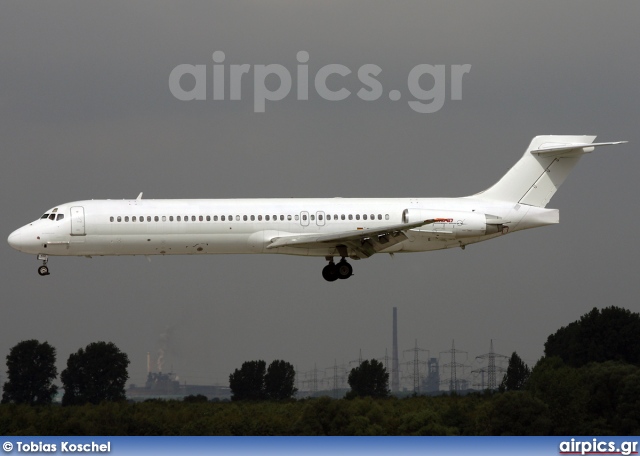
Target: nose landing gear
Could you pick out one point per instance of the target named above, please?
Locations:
(44, 269)
(332, 271)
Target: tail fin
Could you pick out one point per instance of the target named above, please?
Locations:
(534, 179)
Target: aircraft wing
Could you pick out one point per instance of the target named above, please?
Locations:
(365, 241)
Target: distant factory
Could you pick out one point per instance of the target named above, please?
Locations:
(161, 385)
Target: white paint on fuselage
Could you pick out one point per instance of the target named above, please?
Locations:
(165, 237)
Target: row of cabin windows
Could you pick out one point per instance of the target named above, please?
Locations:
(245, 218)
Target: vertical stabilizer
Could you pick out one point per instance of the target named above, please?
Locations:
(535, 178)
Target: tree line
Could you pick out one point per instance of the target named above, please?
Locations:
(94, 374)
(583, 385)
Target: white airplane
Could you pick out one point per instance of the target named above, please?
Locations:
(353, 228)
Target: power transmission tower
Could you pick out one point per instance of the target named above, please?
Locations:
(312, 381)
(385, 359)
(339, 375)
(395, 369)
(454, 383)
(491, 369)
(416, 363)
(359, 360)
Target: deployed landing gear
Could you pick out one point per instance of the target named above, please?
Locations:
(332, 271)
(44, 269)
(329, 272)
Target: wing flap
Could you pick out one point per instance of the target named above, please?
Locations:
(367, 240)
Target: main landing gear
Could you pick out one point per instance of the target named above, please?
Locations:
(44, 269)
(332, 271)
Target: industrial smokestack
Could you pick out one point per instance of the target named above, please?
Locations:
(148, 363)
(395, 372)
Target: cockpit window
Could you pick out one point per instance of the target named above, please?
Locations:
(60, 217)
(45, 216)
(52, 217)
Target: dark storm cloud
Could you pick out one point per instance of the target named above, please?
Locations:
(86, 112)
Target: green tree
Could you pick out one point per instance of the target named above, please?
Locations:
(195, 398)
(95, 374)
(370, 378)
(31, 370)
(564, 390)
(247, 383)
(279, 381)
(610, 334)
(519, 413)
(517, 374)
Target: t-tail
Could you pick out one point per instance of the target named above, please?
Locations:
(535, 178)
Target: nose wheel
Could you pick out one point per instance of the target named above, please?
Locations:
(44, 269)
(333, 272)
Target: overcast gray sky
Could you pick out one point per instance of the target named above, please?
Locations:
(86, 112)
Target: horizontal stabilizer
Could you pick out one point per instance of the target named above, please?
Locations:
(554, 148)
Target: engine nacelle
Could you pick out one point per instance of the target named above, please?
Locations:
(454, 224)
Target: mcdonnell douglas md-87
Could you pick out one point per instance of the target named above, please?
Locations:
(332, 228)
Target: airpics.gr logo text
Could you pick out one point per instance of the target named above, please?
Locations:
(424, 100)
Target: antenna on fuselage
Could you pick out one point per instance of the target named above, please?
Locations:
(139, 197)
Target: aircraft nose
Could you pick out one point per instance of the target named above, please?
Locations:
(14, 239)
(19, 239)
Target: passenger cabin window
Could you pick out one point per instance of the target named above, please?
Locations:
(386, 217)
(171, 218)
(201, 218)
(164, 218)
(119, 219)
(148, 218)
(253, 218)
(208, 218)
(110, 219)
(126, 219)
(215, 218)
(222, 218)
(342, 216)
(364, 217)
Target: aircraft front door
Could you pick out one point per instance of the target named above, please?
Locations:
(77, 221)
